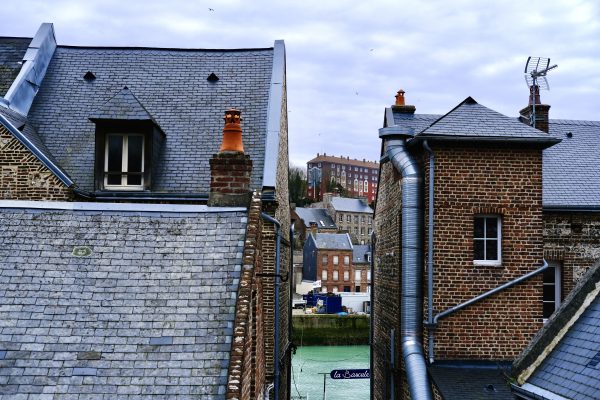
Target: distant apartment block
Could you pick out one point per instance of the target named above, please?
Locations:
(357, 178)
(351, 215)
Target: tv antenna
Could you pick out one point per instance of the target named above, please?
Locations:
(536, 70)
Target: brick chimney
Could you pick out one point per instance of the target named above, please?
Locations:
(230, 169)
(541, 110)
(400, 105)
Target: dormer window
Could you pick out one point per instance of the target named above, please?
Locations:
(128, 142)
(124, 161)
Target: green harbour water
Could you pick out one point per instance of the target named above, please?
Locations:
(310, 361)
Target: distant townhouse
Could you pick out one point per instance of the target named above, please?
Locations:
(311, 219)
(356, 178)
(361, 263)
(351, 215)
(328, 258)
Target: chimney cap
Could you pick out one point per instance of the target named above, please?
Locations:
(232, 132)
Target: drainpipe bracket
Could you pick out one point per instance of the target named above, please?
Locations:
(430, 325)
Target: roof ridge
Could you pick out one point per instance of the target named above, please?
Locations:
(188, 49)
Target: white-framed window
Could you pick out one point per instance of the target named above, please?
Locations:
(552, 289)
(324, 289)
(487, 240)
(356, 185)
(346, 260)
(357, 276)
(124, 161)
(348, 218)
(324, 260)
(366, 189)
(335, 289)
(336, 275)
(369, 276)
(336, 260)
(324, 275)
(341, 218)
(346, 275)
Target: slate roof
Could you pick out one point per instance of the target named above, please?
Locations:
(171, 84)
(333, 241)
(359, 253)
(123, 106)
(12, 51)
(110, 303)
(572, 168)
(571, 172)
(471, 381)
(317, 215)
(572, 368)
(472, 120)
(346, 204)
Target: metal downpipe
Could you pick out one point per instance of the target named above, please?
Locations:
(430, 252)
(412, 270)
(276, 359)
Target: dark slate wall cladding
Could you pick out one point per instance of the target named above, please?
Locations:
(172, 86)
(117, 304)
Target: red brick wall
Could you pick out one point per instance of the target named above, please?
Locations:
(23, 176)
(477, 180)
(386, 280)
(330, 283)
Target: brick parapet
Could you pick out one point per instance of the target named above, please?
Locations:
(246, 364)
(23, 176)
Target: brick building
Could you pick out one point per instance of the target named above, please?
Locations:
(361, 263)
(357, 178)
(470, 207)
(328, 257)
(147, 264)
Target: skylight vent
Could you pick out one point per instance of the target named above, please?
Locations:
(89, 76)
(595, 360)
(212, 77)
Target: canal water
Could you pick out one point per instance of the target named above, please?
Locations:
(310, 362)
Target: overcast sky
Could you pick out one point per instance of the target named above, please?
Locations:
(347, 59)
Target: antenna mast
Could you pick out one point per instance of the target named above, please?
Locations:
(536, 70)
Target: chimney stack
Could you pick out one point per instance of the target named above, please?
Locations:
(541, 111)
(400, 105)
(230, 169)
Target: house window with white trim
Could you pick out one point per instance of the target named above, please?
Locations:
(124, 161)
(487, 240)
(335, 275)
(324, 275)
(336, 260)
(357, 276)
(346, 275)
(346, 260)
(552, 289)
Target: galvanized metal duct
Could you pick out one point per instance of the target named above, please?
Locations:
(411, 300)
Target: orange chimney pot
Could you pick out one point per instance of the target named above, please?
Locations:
(400, 97)
(232, 132)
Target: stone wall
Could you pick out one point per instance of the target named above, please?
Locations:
(23, 176)
(330, 330)
(574, 239)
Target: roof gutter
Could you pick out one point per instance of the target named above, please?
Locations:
(567, 208)
(411, 297)
(36, 152)
(140, 196)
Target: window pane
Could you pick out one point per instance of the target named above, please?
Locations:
(491, 250)
(135, 148)
(549, 274)
(113, 179)
(549, 292)
(479, 227)
(478, 250)
(115, 153)
(548, 309)
(491, 228)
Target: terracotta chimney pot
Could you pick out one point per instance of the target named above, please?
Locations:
(400, 97)
(232, 132)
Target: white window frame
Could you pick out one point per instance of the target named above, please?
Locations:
(336, 275)
(336, 260)
(324, 275)
(357, 276)
(334, 290)
(346, 260)
(124, 162)
(557, 286)
(498, 261)
(346, 275)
